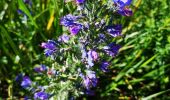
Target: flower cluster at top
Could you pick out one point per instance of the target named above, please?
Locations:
(84, 50)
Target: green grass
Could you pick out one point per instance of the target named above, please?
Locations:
(142, 66)
(20, 42)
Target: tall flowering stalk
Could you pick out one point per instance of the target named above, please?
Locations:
(83, 52)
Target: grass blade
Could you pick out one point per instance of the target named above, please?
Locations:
(155, 95)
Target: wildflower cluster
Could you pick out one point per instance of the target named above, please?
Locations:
(83, 51)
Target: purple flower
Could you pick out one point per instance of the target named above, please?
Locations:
(28, 2)
(40, 68)
(122, 3)
(20, 11)
(75, 29)
(89, 80)
(112, 49)
(92, 76)
(125, 11)
(101, 38)
(84, 54)
(50, 47)
(48, 52)
(64, 38)
(80, 1)
(104, 66)
(93, 54)
(26, 98)
(114, 30)
(26, 82)
(90, 60)
(41, 96)
(69, 20)
(89, 92)
(19, 77)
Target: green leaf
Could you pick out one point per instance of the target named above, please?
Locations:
(155, 95)
(26, 11)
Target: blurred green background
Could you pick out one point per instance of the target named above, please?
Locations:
(140, 71)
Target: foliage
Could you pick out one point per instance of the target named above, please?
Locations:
(142, 67)
(140, 70)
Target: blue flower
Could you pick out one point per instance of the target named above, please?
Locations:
(104, 66)
(41, 95)
(90, 59)
(114, 30)
(19, 77)
(40, 68)
(112, 49)
(75, 29)
(26, 82)
(89, 56)
(80, 1)
(20, 11)
(48, 52)
(89, 80)
(50, 47)
(26, 98)
(101, 38)
(92, 76)
(122, 3)
(89, 92)
(69, 20)
(28, 2)
(125, 11)
(122, 7)
(84, 53)
(92, 56)
(90, 62)
(76, 1)
(64, 38)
